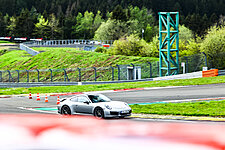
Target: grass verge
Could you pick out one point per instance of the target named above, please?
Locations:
(206, 108)
(100, 87)
(3, 42)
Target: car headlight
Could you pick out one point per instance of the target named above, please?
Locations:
(126, 104)
(108, 107)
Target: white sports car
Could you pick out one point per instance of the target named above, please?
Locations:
(97, 104)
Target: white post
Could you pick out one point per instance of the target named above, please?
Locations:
(183, 65)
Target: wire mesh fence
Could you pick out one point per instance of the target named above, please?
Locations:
(217, 61)
(194, 63)
(111, 73)
(118, 72)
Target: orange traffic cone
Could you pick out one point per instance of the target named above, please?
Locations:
(38, 97)
(58, 101)
(46, 98)
(30, 97)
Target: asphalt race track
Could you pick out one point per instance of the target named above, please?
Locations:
(170, 93)
(15, 103)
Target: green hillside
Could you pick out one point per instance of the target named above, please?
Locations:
(70, 59)
(56, 58)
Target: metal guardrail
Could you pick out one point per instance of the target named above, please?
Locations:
(221, 73)
(77, 42)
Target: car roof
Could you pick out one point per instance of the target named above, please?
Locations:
(86, 94)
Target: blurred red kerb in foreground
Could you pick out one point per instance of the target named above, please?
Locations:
(78, 132)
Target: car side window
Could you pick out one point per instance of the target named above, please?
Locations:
(82, 99)
(74, 99)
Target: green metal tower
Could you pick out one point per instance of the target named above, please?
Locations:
(168, 43)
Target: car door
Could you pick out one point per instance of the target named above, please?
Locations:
(74, 102)
(82, 107)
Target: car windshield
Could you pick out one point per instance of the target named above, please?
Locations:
(98, 98)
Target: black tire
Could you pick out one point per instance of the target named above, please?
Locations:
(121, 117)
(65, 110)
(99, 113)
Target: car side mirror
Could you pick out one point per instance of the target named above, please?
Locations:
(86, 102)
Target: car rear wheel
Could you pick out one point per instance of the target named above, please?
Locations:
(121, 117)
(66, 110)
(99, 113)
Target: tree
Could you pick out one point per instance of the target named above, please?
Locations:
(97, 21)
(67, 28)
(111, 30)
(119, 14)
(53, 25)
(41, 28)
(185, 34)
(140, 19)
(24, 24)
(83, 28)
(214, 46)
(11, 26)
(149, 33)
(3, 25)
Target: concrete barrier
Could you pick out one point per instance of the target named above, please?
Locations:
(210, 73)
(28, 50)
(181, 76)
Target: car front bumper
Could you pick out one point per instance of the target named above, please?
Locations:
(117, 113)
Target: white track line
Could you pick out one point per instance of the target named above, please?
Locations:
(31, 109)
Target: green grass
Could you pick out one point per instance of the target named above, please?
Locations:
(86, 88)
(13, 59)
(211, 108)
(58, 58)
(3, 42)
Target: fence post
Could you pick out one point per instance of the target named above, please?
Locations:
(211, 65)
(1, 76)
(10, 76)
(112, 73)
(95, 73)
(205, 59)
(158, 67)
(134, 72)
(18, 76)
(118, 71)
(38, 74)
(186, 63)
(51, 74)
(150, 71)
(65, 76)
(79, 74)
(27, 75)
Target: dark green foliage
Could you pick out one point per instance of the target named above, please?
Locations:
(100, 50)
(196, 15)
(119, 14)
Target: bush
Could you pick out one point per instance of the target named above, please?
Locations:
(189, 48)
(187, 44)
(101, 50)
(214, 41)
(133, 46)
(214, 46)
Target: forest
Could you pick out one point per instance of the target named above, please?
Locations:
(108, 20)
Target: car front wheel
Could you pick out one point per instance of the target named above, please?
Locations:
(66, 110)
(99, 113)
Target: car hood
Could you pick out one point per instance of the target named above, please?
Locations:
(116, 104)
